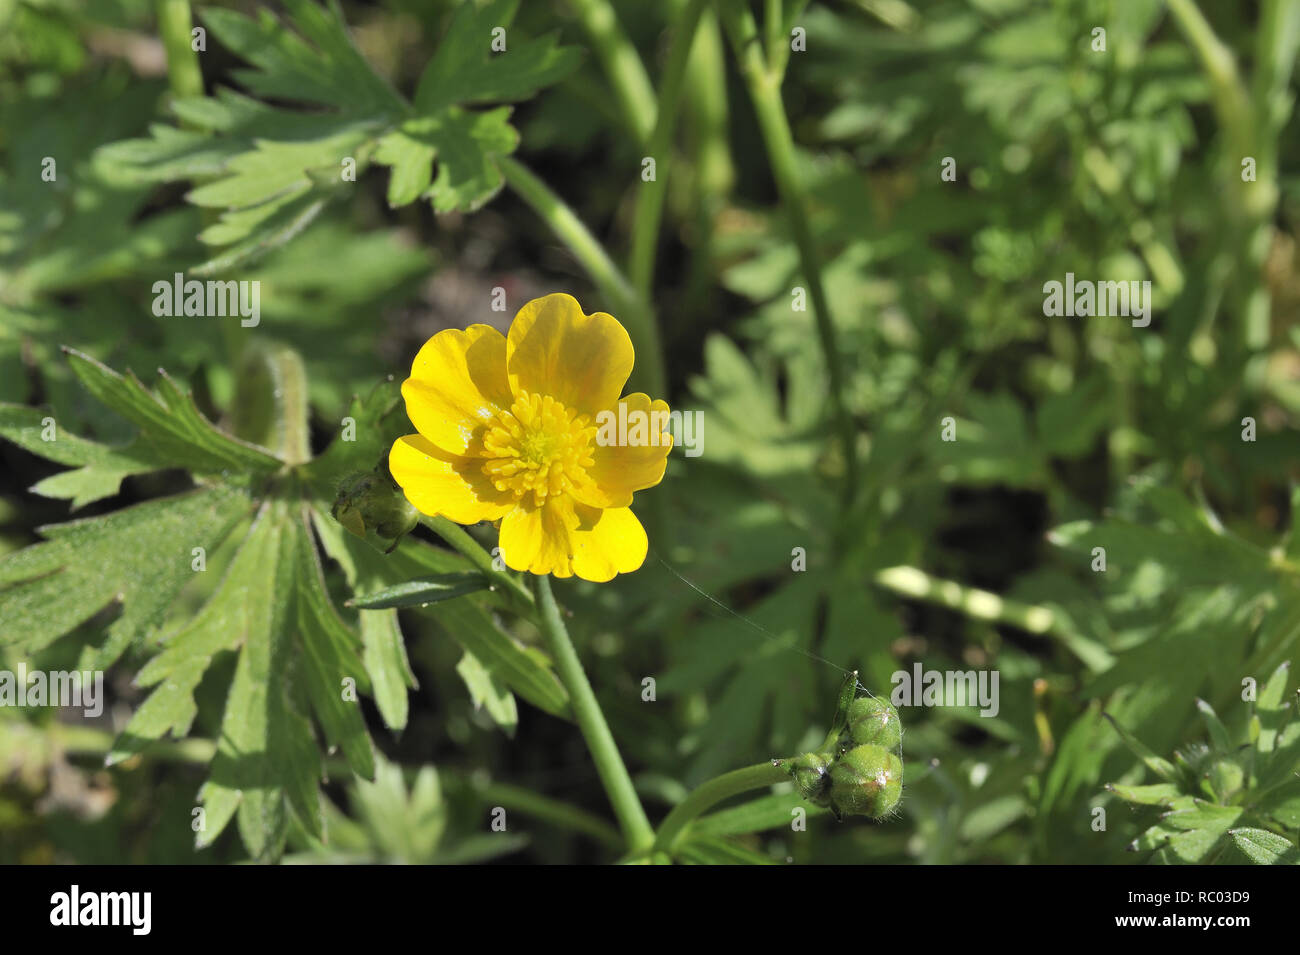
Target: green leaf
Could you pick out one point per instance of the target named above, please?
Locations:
(266, 759)
(297, 662)
(1218, 732)
(772, 811)
(1159, 794)
(101, 468)
(136, 559)
(523, 671)
(1157, 764)
(221, 624)
(332, 653)
(384, 652)
(1265, 848)
(171, 427)
(1191, 835)
(465, 145)
(417, 593)
(466, 70)
(328, 71)
(710, 850)
(488, 693)
(272, 168)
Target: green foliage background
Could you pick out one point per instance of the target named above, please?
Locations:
(1072, 434)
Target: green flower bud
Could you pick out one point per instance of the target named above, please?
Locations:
(811, 775)
(372, 504)
(875, 721)
(866, 781)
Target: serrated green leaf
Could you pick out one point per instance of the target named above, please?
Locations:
(332, 654)
(100, 468)
(417, 593)
(488, 693)
(138, 558)
(223, 623)
(266, 757)
(469, 625)
(1265, 848)
(171, 427)
(384, 652)
(466, 70)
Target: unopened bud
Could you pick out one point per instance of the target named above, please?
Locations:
(371, 503)
(875, 721)
(866, 781)
(811, 775)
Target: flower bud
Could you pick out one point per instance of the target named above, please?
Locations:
(875, 721)
(811, 775)
(371, 503)
(866, 781)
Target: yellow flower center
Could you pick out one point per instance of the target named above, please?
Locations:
(539, 446)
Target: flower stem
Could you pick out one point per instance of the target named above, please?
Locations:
(972, 601)
(469, 548)
(622, 64)
(709, 794)
(604, 751)
(651, 195)
(636, 314)
(550, 810)
(174, 26)
(765, 91)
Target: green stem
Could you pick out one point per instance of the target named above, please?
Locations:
(174, 26)
(765, 92)
(469, 548)
(637, 833)
(549, 810)
(614, 286)
(979, 604)
(650, 198)
(622, 64)
(709, 794)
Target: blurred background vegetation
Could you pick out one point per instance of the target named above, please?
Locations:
(1114, 164)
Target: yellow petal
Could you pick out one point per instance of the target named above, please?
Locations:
(580, 360)
(537, 539)
(563, 538)
(438, 483)
(627, 456)
(457, 385)
(613, 543)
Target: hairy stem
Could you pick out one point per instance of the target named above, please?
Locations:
(637, 833)
(980, 604)
(622, 64)
(765, 92)
(650, 198)
(174, 26)
(634, 312)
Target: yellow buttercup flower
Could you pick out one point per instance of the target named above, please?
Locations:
(528, 429)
